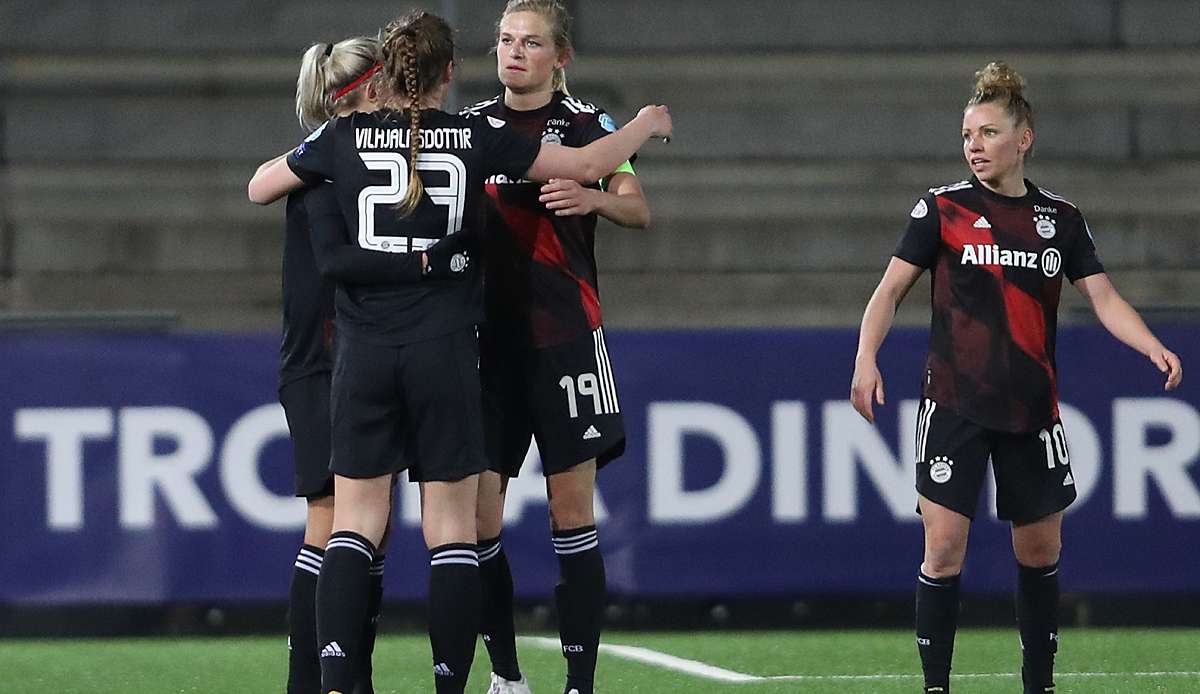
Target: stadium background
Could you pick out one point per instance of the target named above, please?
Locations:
(139, 295)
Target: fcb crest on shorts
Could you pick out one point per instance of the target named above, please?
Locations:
(941, 469)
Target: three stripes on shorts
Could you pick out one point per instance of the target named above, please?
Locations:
(604, 374)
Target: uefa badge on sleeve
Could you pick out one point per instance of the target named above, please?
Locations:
(459, 262)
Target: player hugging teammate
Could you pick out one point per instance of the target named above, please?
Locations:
(405, 389)
(544, 361)
(998, 248)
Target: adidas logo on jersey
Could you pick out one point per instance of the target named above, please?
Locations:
(1068, 480)
(590, 434)
(332, 650)
(442, 670)
(982, 223)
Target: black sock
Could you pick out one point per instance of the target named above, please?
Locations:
(937, 620)
(363, 683)
(496, 616)
(454, 597)
(1037, 618)
(342, 595)
(304, 668)
(580, 597)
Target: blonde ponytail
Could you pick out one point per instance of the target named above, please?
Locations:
(326, 68)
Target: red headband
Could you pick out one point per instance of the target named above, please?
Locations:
(358, 82)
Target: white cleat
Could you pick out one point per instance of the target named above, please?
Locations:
(500, 685)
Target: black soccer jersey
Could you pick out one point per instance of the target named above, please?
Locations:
(366, 155)
(997, 265)
(307, 301)
(541, 268)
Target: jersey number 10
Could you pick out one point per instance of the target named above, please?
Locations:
(452, 196)
(1055, 441)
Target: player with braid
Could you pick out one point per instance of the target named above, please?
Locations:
(335, 78)
(544, 326)
(998, 248)
(406, 392)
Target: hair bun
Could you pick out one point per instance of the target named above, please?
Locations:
(998, 76)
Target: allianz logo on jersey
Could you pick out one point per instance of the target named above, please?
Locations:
(1048, 261)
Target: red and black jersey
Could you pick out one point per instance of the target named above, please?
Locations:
(997, 265)
(540, 269)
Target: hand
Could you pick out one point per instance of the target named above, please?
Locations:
(567, 197)
(660, 121)
(866, 383)
(1168, 363)
(446, 259)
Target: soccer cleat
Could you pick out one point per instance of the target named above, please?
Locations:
(936, 689)
(500, 685)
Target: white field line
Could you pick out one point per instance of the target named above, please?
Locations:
(712, 672)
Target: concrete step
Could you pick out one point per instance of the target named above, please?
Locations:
(183, 26)
(703, 299)
(717, 189)
(737, 216)
(644, 299)
(1101, 105)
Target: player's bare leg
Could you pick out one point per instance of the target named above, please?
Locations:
(937, 590)
(448, 522)
(1037, 546)
(581, 592)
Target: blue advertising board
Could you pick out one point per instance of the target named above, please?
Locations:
(150, 468)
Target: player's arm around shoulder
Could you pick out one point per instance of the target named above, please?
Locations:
(866, 385)
(600, 158)
(622, 200)
(1123, 321)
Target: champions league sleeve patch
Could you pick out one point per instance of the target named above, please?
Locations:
(607, 122)
(920, 210)
(299, 151)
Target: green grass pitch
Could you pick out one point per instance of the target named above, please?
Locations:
(1091, 661)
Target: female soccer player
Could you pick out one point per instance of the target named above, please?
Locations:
(998, 247)
(544, 362)
(405, 387)
(334, 79)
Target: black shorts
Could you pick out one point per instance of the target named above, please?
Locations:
(306, 405)
(1032, 470)
(415, 407)
(564, 396)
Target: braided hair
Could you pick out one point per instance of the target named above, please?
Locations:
(417, 48)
